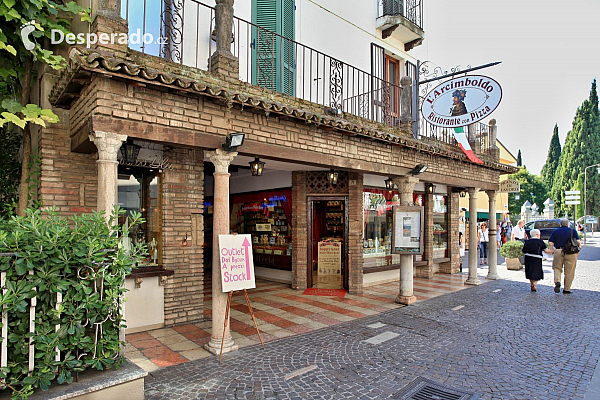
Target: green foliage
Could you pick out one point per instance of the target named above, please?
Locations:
(519, 159)
(529, 184)
(10, 169)
(512, 249)
(16, 68)
(552, 160)
(581, 149)
(81, 258)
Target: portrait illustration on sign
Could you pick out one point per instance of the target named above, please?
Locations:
(458, 103)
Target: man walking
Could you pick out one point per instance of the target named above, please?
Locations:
(518, 232)
(558, 240)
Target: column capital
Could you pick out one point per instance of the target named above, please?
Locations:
(491, 193)
(473, 192)
(406, 184)
(108, 144)
(221, 159)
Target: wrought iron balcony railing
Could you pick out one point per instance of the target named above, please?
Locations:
(412, 10)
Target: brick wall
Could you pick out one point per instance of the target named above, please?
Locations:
(183, 198)
(355, 231)
(426, 271)
(299, 230)
(453, 266)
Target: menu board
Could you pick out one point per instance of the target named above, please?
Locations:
(407, 230)
(330, 258)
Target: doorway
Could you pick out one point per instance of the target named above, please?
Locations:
(328, 241)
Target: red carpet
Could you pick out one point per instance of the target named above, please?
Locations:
(325, 292)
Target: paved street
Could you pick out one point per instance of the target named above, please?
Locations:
(497, 340)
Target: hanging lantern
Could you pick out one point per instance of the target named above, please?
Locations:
(389, 184)
(332, 177)
(256, 167)
(130, 151)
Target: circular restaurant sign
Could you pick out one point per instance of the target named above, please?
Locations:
(461, 101)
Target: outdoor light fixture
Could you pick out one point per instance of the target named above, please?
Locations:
(256, 167)
(233, 141)
(463, 193)
(389, 184)
(430, 187)
(517, 196)
(418, 169)
(184, 242)
(332, 177)
(130, 151)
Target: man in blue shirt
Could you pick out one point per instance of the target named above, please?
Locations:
(558, 240)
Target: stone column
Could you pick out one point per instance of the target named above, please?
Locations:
(406, 186)
(492, 246)
(221, 159)
(108, 145)
(473, 141)
(473, 279)
(406, 99)
(222, 61)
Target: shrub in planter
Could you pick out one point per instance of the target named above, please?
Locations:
(82, 259)
(512, 249)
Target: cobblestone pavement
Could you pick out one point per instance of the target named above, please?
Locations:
(498, 340)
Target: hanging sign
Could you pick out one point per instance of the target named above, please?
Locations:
(237, 264)
(510, 186)
(461, 101)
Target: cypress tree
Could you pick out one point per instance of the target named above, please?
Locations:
(552, 159)
(582, 149)
(519, 159)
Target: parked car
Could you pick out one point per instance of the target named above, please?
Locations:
(546, 227)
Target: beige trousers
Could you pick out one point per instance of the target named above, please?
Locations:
(569, 261)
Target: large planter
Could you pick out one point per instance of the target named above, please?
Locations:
(514, 263)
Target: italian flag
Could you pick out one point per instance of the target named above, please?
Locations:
(463, 142)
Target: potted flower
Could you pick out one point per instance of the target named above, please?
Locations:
(513, 252)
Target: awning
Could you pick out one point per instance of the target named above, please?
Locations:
(483, 216)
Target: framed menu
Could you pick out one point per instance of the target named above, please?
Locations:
(407, 230)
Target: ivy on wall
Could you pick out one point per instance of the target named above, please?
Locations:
(82, 259)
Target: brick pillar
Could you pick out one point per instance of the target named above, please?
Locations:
(406, 99)
(300, 261)
(427, 270)
(107, 20)
(222, 61)
(355, 232)
(182, 200)
(406, 187)
(108, 145)
(473, 141)
(493, 246)
(473, 279)
(453, 266)
(494, 151)
(221, 225)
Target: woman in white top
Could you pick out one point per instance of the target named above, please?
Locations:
(484, 239)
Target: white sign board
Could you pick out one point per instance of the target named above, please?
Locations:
(461, 101)
(510, 186)
(572, 202)
(573, 197)
(237, 264)
(330, 258)
(591, 220)
(572, 192)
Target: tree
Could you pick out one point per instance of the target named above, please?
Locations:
(549, 169)
(10, 169)
(519, 159)
(530, 184)
(25, 29)
(581, 149)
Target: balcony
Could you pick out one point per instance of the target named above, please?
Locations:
(275, 63)
(401, 20)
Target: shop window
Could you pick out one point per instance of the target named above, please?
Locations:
(139, 190)
(440, 226)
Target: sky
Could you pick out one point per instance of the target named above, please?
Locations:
(550, 53)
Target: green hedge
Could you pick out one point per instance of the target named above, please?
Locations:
(80, 257)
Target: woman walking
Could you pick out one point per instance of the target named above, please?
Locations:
(484, 240)
(533, 249)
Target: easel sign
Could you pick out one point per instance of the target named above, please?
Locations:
(407, 232)
(237, 273)
(237, 264)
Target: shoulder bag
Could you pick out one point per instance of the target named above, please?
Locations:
(572, 246)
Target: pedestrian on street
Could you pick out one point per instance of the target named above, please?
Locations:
(518, 232)
(533, 249)
(507, 232)
(498, 235)
(484, 239)
(558, 241)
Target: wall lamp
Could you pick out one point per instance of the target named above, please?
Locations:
(130, 151)
(332, 177)
(418, 169)
(430, 188)
(233, 141)
(389, 184)
(256, 167)
(184, 242)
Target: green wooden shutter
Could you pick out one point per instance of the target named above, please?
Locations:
(273, 60)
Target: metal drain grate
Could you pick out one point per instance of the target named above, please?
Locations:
(424, 389)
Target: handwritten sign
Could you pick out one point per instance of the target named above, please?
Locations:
(237, 264)
(330, 258)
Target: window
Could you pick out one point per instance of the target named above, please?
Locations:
(273, 57)
(440, 226)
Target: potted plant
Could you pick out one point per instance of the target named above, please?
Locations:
(513, 252)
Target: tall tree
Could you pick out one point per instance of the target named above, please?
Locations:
(519, 159)
(581, 149)
(549, 169)
(530, 184)
(25, 27)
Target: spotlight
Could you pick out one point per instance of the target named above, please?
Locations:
(233, 141)
(418, 169)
